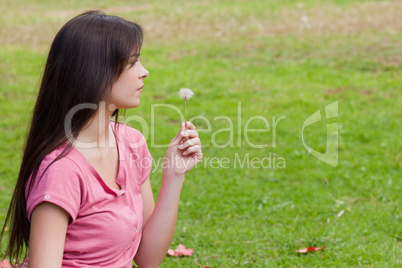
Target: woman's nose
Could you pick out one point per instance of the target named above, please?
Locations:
(144, 72)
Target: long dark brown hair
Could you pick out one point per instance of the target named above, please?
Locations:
(87, 56)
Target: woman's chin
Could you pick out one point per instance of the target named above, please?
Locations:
(133, 104)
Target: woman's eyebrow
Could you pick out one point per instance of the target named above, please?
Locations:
(135, 55)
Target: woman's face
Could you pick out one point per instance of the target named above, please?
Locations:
(126, 91)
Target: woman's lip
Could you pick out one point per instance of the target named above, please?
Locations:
(140, 88)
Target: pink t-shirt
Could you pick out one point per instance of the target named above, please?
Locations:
(106, 224)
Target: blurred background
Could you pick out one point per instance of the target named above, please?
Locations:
(249, 63)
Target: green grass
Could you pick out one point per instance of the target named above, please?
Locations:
(252, 217)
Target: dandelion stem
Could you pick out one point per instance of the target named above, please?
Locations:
(185, 114)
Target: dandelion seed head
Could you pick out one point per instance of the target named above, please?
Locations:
(185, 93)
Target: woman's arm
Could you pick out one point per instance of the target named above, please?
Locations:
(158, 231)
(183, 154)
(48, 232)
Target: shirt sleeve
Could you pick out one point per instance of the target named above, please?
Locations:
(61, 184)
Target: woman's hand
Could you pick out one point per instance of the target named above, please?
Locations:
(184, 151)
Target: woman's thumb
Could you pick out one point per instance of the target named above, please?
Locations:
(180, 133)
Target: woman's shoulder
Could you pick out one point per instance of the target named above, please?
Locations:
(61, 159)
(129, 135)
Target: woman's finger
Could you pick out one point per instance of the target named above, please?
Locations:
(190, 133)
(193, 149)
(190, 142)
(199, 156)
(190, 125)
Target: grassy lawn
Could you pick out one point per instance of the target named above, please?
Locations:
(273, 59)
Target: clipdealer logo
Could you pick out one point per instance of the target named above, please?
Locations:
(271, 160)
(330, 156)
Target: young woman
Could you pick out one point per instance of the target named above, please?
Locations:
(83, 196)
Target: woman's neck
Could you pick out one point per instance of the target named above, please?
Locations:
(97, 133)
